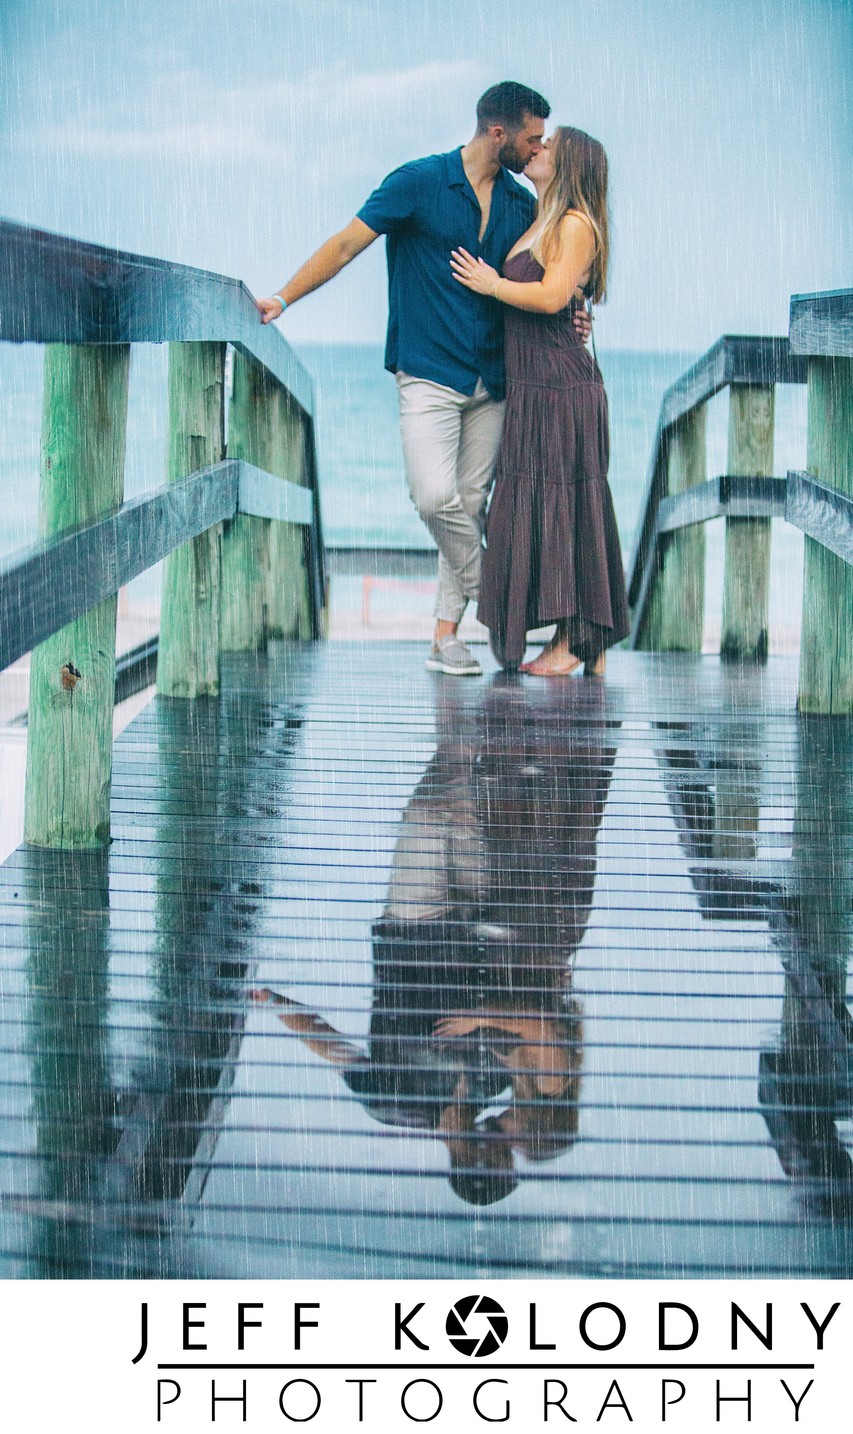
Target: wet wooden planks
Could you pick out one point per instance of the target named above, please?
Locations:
(563, 973)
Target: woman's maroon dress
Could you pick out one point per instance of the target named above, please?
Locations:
(552, 546)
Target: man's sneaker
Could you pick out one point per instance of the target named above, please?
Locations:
(452, 656)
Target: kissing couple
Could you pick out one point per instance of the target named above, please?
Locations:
(489, 291)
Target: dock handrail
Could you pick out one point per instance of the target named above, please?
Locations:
(733, 359)
(58, 290)
(54, 582)
(666, 575)
(240, 527)
(821, 325)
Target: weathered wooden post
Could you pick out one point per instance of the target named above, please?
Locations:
(826, 643)
(265, 583)
(746, 588)
(245, 540)
(72, 674)
(676, 611)
(288, 600)
(74, 1096)
(188, 657)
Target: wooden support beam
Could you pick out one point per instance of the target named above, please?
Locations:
(72, 675)
(826, 643)
(318, 580)
(676, 610)
(288, 597)
(266, 560)
(188, 659)
(746, 587)
(245, 540)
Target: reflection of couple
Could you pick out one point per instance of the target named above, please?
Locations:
(475, 1036)
(468, 248)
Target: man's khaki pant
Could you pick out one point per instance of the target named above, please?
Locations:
(450, 443)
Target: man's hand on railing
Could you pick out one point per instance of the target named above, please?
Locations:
(270, 308)
(323, 265)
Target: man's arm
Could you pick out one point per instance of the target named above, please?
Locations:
(328, 261)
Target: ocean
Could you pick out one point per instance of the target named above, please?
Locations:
(363, 492)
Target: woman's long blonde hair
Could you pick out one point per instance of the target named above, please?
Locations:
(579, 182)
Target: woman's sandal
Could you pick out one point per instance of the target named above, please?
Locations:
(555, 672)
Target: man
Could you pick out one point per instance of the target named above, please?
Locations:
(445, 344)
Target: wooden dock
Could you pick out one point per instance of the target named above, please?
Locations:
(332, 967)
(631, 899)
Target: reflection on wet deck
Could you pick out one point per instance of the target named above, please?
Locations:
(547, 980)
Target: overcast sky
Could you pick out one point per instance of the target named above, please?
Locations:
(236, 134)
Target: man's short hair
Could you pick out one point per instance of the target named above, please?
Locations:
(507, 104)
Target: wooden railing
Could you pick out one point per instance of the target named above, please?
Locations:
(238, 523)
(667, 574)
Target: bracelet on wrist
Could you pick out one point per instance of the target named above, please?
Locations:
(282, 301)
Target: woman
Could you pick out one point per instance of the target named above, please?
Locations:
(553, 550)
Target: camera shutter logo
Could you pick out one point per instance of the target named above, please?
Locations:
(477, 1326)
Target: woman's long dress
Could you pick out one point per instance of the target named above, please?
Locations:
(552, 546)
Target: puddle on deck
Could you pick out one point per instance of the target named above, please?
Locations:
(554, 982)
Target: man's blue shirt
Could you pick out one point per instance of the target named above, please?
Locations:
(438, 329)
